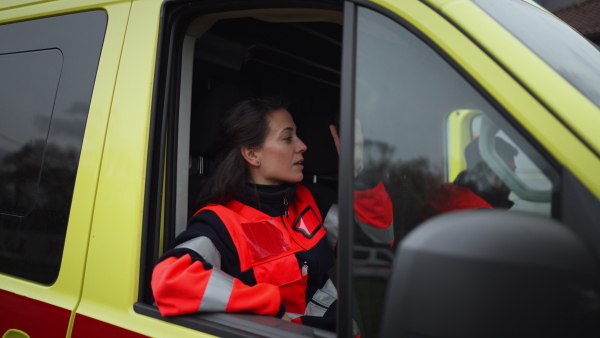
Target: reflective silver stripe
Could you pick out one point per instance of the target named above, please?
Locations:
(330, 289)
(204, 247)
(322, 300)
(377, 235)
(332, 225)
(327, 294)
(293, 315)
(217, 293)
(314, 310)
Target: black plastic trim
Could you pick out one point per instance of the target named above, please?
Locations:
(346, 178)
(236, 325)
(581, 211)
(154, 175)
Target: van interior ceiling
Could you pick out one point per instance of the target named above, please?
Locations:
(290, 53)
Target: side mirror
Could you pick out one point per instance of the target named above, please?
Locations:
(492, 274)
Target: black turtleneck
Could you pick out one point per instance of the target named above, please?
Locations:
(273, 200)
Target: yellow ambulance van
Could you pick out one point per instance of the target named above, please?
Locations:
(109, 119)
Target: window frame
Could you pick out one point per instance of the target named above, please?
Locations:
(160, 198)
(345, 287)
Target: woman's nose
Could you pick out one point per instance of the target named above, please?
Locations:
(302, 147)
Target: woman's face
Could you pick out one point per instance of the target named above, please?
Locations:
(280, 157)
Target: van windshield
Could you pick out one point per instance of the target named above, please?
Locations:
(571, 55)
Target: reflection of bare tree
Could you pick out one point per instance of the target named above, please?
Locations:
(410, 183)
(414, 182)
(20, 171)
(36, 188)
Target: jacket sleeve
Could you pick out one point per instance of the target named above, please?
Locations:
(197, 275)
(374, 217)
(374, 214)
(181, 285)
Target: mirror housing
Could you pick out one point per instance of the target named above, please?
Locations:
(492, 274)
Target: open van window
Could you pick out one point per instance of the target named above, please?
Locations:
(213, 57)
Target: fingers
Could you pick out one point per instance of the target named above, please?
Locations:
(336, 137)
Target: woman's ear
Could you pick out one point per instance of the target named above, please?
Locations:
(250, 155)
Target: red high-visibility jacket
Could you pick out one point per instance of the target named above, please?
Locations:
(450, 197)
(268, 252)
(264, 253)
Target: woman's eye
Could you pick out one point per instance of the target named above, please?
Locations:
(288, 139)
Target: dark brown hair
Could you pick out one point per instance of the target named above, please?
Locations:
(245, 124)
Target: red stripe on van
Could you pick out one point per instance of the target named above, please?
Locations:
(36, 318)
(92, 328)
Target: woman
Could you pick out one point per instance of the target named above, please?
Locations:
(261, 243)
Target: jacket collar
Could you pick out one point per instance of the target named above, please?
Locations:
(273, 200)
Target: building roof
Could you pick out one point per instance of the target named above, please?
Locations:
(583, 16)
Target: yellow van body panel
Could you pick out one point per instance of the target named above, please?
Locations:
(17, 10)
(111, 281)
(571, 107)
(66, 290)
(459, 136)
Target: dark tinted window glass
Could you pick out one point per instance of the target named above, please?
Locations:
(435, 143)
(27, 92)
(577, 59)
(48, 69)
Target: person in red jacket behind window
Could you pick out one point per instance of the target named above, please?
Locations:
(261, 243)
(477, 187)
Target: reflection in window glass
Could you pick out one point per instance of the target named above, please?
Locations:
(27, 91)
(525, 169)
(415, 114)
(48, 69)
